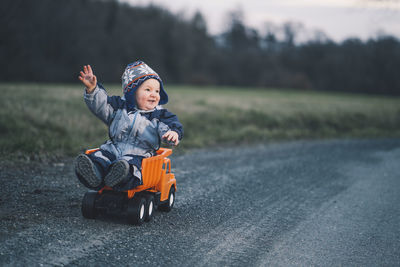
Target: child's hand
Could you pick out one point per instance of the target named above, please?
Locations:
(171, 136)
(88, 79)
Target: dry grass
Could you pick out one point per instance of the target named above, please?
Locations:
(52, 120)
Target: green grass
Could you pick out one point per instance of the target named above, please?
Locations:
(42, 120)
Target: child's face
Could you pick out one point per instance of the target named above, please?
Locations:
(148, 94)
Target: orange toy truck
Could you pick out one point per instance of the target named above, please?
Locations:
(158, 190)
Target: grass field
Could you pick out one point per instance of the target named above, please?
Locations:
(48, 121)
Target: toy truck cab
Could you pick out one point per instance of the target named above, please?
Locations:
(158, 190)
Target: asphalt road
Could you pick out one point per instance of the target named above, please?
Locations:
(301, 203)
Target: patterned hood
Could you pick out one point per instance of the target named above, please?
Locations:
(134, 75)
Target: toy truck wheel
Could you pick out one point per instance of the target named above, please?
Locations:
(149, 208)
(136, 210)
(167, 206)
(88, 205)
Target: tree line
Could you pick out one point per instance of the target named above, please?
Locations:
(50, 40)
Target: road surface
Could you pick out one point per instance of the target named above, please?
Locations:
(302, 203)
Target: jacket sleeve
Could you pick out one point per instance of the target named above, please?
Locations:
(171, 121)
(98, 103)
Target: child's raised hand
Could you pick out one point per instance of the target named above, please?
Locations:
(171, 136)
(88, 79)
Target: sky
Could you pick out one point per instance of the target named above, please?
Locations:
(338, 19)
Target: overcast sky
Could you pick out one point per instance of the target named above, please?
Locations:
(339, 19)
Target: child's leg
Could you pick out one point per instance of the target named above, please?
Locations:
(87, 172)
(91, 168)
(117, 173)
(130, 170)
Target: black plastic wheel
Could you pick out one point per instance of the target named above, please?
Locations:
(149, 207)
(168, 205)
(88, 205)
(136, 210)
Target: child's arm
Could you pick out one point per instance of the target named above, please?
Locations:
(88, 79)
(96, 98)
(171, 136)
(170, 129)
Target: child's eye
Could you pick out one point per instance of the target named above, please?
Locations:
(147, 89)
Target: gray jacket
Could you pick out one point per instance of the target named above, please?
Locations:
(131, 132)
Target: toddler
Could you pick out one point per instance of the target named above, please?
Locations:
(136, 125)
